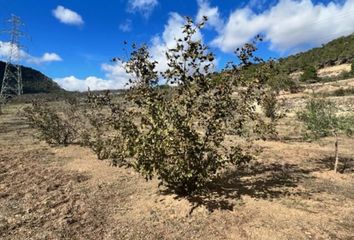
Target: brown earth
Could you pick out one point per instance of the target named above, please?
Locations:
(288, 192)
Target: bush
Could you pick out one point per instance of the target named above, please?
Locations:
(181, 132)
(109, 130)
(53, 128)
(321, 119)
(97, 115)
(280, 81)
(175, 133)
(309, 75)
(270, 106)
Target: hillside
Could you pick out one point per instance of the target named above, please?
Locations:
(34, 81)
(332, 61)
(338, 51)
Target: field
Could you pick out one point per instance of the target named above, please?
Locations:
(288, 192)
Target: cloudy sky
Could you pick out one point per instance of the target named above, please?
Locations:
(72, 41)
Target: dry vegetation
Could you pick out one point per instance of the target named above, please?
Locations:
(288, 192)
(334, 70)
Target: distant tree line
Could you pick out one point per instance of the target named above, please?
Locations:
(338, 51)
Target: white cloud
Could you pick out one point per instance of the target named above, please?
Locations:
(72, 83)
(126, 26)
(116, 73)
(47, 57)
(6, 49)
(214, 19)
(289, 25)
(20, 55)
(239, 29)
(145, 7)
(115, 78)
(67, 16)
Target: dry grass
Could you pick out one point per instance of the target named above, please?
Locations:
(331, 71)
(289, 192)
(334, 70)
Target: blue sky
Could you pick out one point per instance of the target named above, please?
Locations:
(72, 41)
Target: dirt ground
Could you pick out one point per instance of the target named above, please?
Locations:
(288, 192)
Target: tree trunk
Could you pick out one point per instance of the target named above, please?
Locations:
(336, 154)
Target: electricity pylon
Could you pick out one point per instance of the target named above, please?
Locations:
(12, 79)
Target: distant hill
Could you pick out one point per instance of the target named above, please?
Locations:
(34, 81)
(338, 51)
(287, 71)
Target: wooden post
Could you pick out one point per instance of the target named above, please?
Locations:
(336, 153)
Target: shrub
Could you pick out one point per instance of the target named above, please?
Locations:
(270, 106)
(53, 128)
(319, 117)
(97, 115)
(309, 75)
(280, 81)
(181, 132)
(109, 131)
(175, 133)
(321, 120)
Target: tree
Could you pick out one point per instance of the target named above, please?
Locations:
(352, 67)
(181, 130)
(310, 73)
(321, 119)
(177, 133)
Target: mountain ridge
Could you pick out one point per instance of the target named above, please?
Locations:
(34, 81)
(335, 52)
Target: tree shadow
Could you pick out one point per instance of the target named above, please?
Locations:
(345, 164)
(259, 180)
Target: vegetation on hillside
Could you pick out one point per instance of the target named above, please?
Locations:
(309, 74)
(34, 81)
(338, 51)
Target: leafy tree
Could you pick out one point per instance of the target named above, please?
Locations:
(309, 74)
(181, 131)
(352, 68)
(176, 133)
(321, 120)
